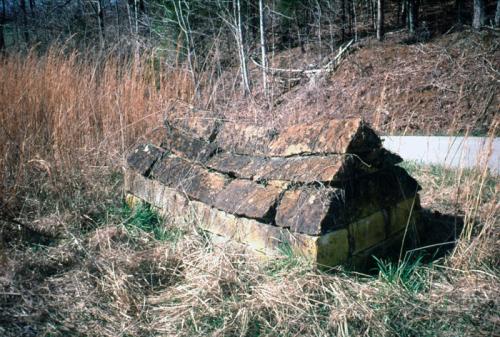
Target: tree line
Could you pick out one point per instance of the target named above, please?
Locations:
(234, 32)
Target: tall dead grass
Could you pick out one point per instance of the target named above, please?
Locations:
(63, 112)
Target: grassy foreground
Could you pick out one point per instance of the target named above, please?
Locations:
(74, 261)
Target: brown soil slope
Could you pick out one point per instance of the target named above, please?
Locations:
(447, 85)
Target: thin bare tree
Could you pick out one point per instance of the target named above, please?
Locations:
(263, 46)
(182, 13)
(497, 15)
(380, 20)
(479, 17)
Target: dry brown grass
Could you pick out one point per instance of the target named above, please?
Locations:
(62, 113)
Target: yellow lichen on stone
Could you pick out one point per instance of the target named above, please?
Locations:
(333, 248)
(368, 231)
(132, 201)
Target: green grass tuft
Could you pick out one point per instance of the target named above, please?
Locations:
(408, 273)
(288, 261)
(144, 218)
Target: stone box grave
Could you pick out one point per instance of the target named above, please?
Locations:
(327, 189)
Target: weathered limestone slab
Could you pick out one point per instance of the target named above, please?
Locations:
(143, 157)
(384, 225)
(259, 236)
(190, 178)
(156, 193)
(297, 169)
(187, 146)
(332, 248)
(330, 136)
(305, 210)
(363, 260)
(305, 169)
(245, 138)
(318, 209)
(241, 166)
(247, 198)
(325, 137)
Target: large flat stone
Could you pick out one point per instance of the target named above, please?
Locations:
(237, 165)
(316, 210)
(261, 237)
(297, 169)
(156, 193)
(307, 209)
(189, 178)
(249, 199)
(304, 169)
(245, 138)
(332, 248)
(187, 146)
(143, 157)
(330, 136)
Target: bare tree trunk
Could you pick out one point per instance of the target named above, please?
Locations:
(380, 20)
(497, 15)
(129, 18)
(412, 16)
(373, 14)
(136, 19)
(343, 19)
(241, 48)
(478, 19)
(320, 42)
(136, 30)
(185, 27)
(100, 23)
(355, 21)
(399, 9)
(350, 16)
(263, 46)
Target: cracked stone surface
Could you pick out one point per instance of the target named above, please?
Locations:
(143, 157)
(186, 146)
(245, 139)
(305, 210)
(189, 178)
(247, 198)
(296, 169)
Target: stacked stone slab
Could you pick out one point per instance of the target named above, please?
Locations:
(327, 189)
